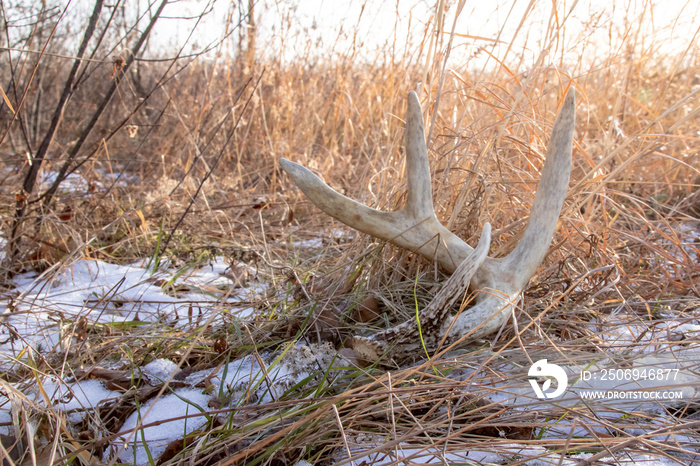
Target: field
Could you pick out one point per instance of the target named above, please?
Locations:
(168, 295)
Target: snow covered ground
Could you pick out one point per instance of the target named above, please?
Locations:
(36, 313)
(40, 315)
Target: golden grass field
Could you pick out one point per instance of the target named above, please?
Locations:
(197, 140)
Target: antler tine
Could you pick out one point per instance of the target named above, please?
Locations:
(414, 227)
(419, 195)
(549, 199)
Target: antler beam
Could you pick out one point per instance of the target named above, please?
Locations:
(415, 227)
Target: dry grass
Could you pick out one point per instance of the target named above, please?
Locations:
(627, 243)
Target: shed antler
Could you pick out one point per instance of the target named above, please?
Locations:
(415, 227)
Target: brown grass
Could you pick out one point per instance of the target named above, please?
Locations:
(627, 243)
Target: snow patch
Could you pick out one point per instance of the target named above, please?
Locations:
(159, 370)
(169, 419)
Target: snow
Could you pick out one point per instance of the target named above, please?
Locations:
(78, 395)
(688, 235)
(75, 182)
(172, 412)
(45, 309)
(332, 236)
(42, 313)
(501, 454)
(621, 331)
(159, 370)
(677, 373)
(315, 243)
(173, 415)
(73, 398)
(240, 380)
(239, 376)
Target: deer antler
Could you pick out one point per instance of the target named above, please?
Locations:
(415, 227)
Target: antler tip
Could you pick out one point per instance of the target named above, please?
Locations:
(300, 175)
(570, 99)
(293, 169)
(413, 103)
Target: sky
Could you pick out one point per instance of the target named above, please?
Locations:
(515, 31)
(293, 28)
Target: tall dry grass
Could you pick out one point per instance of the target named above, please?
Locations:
(627, 240)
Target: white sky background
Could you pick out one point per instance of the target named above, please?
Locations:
(313, 31)
(290, 29)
